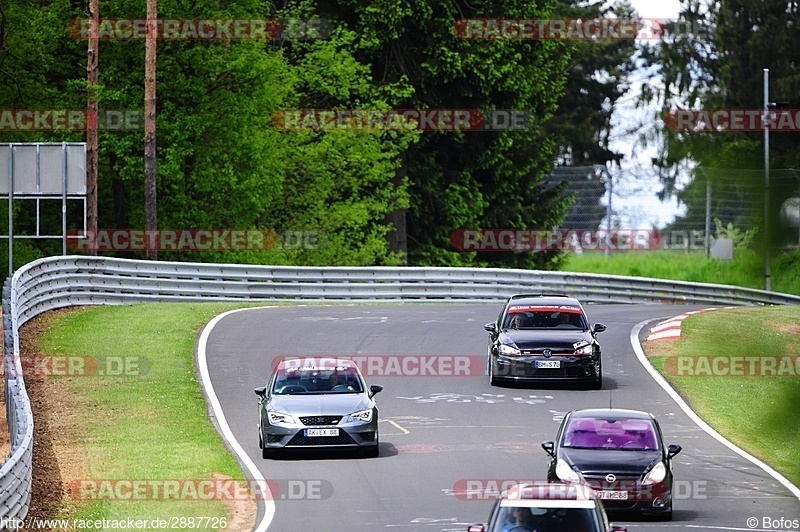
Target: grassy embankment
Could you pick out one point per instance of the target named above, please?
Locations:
(747, 268)
(756, 412)
(147, 421)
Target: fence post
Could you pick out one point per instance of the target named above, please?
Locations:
(8, 357)
(610, 181)
(708, 216)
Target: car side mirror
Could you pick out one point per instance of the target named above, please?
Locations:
(673, 449)
(549, 447)
(599, 327)
(261, 391)
(374, 389)
(491, 327)
(476, 527)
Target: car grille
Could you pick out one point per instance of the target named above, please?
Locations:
(320, 420)
(563, 372)
(623, 481)
(596, 476)
(576, 370)
(300, 440)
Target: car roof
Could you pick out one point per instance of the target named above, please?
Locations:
(321, 363)
(549, 491)
(542, 299)
(610, 413)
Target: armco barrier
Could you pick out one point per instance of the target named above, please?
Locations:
(58, 282)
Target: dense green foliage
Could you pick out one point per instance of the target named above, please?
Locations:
(597, 77)
(368, 197)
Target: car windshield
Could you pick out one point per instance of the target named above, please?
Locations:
(545, 317)
(311, 380)
(616, 434)
(525, 519)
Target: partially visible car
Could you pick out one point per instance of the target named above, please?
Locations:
(540, 337)
(618, 452)
(547, 507)
(312, 406)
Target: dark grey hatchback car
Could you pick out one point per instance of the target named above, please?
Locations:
(322, 405)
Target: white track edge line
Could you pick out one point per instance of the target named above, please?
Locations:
(267, 496)
(637, 347)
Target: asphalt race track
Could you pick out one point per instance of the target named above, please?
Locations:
(444, 437)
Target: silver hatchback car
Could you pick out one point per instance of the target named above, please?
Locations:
(317, 405)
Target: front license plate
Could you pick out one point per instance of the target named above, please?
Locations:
(613, 495)
(321, 432)
(548, 364)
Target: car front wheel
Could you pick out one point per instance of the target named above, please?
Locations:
(597, 384)
(492, 379)
(374, 452)
(665, 515)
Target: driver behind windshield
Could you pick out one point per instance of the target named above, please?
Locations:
(521, 521)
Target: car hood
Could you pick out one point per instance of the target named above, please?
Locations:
(552, 338)
(610, 461)
(320, 404)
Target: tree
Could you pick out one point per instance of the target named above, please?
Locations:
(222, 164)
(597, 76)
(718, 65)
(465, 179)
(150, 192)
(92, 71)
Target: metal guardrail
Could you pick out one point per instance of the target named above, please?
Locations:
(16, 472)
(58, 282)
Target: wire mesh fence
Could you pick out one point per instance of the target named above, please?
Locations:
(615, 212)
(588, 187)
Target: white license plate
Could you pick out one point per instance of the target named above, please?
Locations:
(321, 432)
(548, 364)
(613, 495)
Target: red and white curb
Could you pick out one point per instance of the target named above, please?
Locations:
(671, 328)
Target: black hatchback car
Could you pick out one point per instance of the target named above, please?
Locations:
(620, 454)
(544, 338)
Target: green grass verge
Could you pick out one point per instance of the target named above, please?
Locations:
(148, 424)
(757, 413)
(747, 268)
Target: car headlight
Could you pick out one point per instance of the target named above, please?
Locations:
(508, 350)
(364, 416)
(655, 475)
(566, 473)
(279, 417)
(585, 350)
